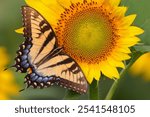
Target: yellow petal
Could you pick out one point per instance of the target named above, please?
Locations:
(120, 56)
(54, 5)
(135, 30)
(65, 3)
(128, 42)
(97, 76)
(115, 63)
(126, 21)
(20, 30)
(47, 12)
(85, 68)
(114, 2)
(90, 76)
(95, 71)
(120, 11)
(109, 70)
(91, 71)
(130, 31)
(123, 49)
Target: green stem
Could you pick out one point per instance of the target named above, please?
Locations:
(94, 90)
(122, 74)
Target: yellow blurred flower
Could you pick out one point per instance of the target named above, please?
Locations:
(142, 66)
(8, 87)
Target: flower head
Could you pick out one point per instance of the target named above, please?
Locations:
(142, 66)
(95, 33)
(8, 86)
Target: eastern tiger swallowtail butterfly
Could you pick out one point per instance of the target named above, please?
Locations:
(40, 57)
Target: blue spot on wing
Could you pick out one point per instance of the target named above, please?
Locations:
(28, 46)
(23, 63)
(39, 79)
(26, 65)
(26, 51)
(34, 78)
(24, 57)
(45, 80)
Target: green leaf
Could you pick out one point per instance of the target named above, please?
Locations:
(94, 90)
(142, 48)
(71, 95)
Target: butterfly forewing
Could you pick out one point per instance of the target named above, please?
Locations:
(48, 63)
(41, 33)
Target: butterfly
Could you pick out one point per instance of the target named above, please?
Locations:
(42, 59)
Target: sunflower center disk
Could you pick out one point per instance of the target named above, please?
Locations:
(85, 33)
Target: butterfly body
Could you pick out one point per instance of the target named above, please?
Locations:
(43, 60)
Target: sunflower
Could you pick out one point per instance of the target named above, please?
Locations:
(142, 67)
(8, 86)
(95, 33)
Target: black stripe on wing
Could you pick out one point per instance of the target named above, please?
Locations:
(66, 61)
(74, 69)
(29, 15)
(49, 56)
(49, 38)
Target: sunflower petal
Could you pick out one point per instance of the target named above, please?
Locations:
(135, 30)
(54, 5)
(97, 76)
(120, 56)
(123, 49)
(120, 11)
(115, 63)
(126, 21)
(131, 31)
(95, 71)
(65, 3)
(129, 41)
(91, 75)
(20, 30)
(52, 16)
(109, 70)
(114, 2)
(85, 68)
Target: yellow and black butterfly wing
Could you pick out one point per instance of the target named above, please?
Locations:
(43, 60)
(65, 70)
(39, 39)
(38, 30)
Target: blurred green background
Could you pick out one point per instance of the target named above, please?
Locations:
(131, 87)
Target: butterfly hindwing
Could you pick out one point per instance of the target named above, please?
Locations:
(64, 67)
(22, 63)
(42, 59)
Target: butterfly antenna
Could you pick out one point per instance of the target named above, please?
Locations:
(9, 67)
(23, 88)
